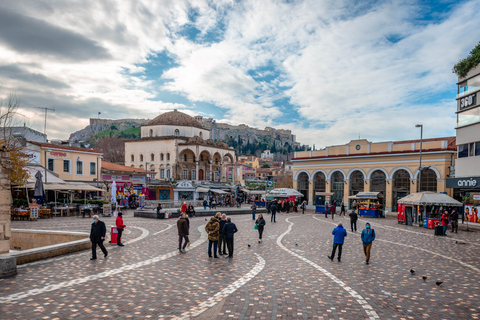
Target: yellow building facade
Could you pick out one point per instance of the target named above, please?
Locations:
(390, 168)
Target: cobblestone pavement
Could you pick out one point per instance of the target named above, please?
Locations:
(287, 276)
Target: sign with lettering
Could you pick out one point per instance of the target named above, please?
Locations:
(33, 157)
(476, 197)
(58, 154)
(459, 183)
(468, 101)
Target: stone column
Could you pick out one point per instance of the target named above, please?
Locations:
(346, 193)
(8, 264)
(413, 186)
(389, 195)
(310, 192)
(366, 187)
(211, 172)
(196, 171)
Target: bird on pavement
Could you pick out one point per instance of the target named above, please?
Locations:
(424, 278)
(249, 245)
(296, 244)
(412, 271)
(438, 283)
(205, 219)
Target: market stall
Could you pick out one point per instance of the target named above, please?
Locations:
(369, 204)
(424, 208)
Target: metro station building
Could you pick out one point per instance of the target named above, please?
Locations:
(390, 168)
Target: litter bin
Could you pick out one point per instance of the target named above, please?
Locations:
(439, 230)
(113, 235)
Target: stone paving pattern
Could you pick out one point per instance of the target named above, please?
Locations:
(286, 288)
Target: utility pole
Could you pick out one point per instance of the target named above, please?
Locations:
(45, 125)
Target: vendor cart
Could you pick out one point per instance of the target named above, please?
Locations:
(369, 204)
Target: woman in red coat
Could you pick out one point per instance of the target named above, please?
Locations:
(120, 227)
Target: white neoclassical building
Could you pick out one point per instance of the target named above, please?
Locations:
(177, 147)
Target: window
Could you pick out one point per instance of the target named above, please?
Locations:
(162, 173)
(93, 168)
(194, 174)
(151, 132)
(66, 166)
(477, 148)
(141, 158)
(463, 151)
(132, 158)
(161, 156)
(79, 167)
(200, 135)
(470, 149)
(152, 157)
(185, 157)
(50, 164)
(468, 117)
(168, 173)
(168, 156)
(184, 174)
(177, 132)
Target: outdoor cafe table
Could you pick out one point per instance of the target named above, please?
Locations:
(63, 210)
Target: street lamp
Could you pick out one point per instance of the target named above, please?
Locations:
(420, 167)
(146, 171)
(45, 156)
(98, 157)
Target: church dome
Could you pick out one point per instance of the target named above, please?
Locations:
(175, 118)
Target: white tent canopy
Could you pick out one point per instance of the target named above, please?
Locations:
(429, 198)
(218, 191)
(365, 195)
(284, 192)
(32, 171)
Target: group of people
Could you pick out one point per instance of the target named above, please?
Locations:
(220, 230)
(339, 234)
(449, 217)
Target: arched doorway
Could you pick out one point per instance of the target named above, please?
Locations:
(378, 182)
(428, 180)
(400, 187)
(302, 185)
(357, 183)
(200, 174)
(319, 186)
(338, 185)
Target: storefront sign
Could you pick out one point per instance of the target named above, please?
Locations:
(476, 197)
(468, 101)
(460, 183)
(138, 179)
(33, 157)
(58, 154)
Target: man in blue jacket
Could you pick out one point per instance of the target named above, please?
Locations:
(368, 235)
(339, 234)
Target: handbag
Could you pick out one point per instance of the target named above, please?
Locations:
(255, 227)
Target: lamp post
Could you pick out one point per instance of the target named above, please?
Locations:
(98, 157)
(420, 167)
(146, 170)
(45, 156)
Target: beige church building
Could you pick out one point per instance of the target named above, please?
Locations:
(178, 147)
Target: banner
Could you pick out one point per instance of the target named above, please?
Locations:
(472, 213)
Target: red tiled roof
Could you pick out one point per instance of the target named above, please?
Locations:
(56, 146)
(119, 167)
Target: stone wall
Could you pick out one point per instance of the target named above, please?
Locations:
(29, 239)
(5, 202)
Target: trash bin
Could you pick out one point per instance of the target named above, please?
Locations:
(113, 235)
(439, 230)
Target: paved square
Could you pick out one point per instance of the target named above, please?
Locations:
(287, 276)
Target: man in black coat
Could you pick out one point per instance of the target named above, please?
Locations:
(97, 236)
(273, 208)
(353, 220)
(229, 230)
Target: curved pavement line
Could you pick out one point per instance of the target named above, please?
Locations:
(169, 226)
(413, 247)
(219, 296)
(144, 234)
(372, 314)
(421, 233)
(65, 284)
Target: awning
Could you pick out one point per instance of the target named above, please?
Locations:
(218, 191)
(284, 193)
(324, 193)
(202, 189)
(258, 192)
(429, 198)
(67, 186)
(366, 195)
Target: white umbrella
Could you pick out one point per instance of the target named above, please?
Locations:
(113, 193)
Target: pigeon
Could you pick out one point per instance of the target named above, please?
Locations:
(412, 271)
(424, 278)
(249, 245)
(205, 219)
(438, 283)
(296, 244)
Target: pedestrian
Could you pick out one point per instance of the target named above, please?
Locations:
(353, 220)
(342, 209)
(97, 236)
(454, 221)
(120, 227)
(191, 210)
(327, 208)
(182, 228)
(303, 206)
(368, 235)
(254, 210)
(184, 207)
(444, 222)
(205, 203)
(273, 209)
(212, 228)
(260, 223)
(268, 204)
(229, 230)
(222, 241)
(339, 234)
(159, 211)
(332, 210)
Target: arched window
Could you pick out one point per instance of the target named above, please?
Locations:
(201, 157)
(151, 133)
(378, 182)
(303, 185)
(428, 180)
(132, 158)
(400, 187)
(337, 186)
(177, 132)
(185, 157)
(319, 186)
(161, 156)
(141, 158)
(200, 135)
(356, 183)
(168, 173)
(152, 157)
(168, 156)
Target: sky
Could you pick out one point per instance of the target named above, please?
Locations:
(330, 71)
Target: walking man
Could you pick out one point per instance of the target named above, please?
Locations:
(182, 228)
(454, 221)
(254, 210)
(97, 236)
(304, 206)
(342, 209)
(444, 222)
(229, 230)
(353, 220)
(273, 208)
(368, 235)
(222, 241)
(339, 234)
(260, 223)
(212, 228)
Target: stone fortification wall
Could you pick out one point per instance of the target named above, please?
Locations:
(5, 202)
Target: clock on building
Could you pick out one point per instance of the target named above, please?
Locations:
(357, 147)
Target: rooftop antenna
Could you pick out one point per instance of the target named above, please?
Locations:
(45, 126)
